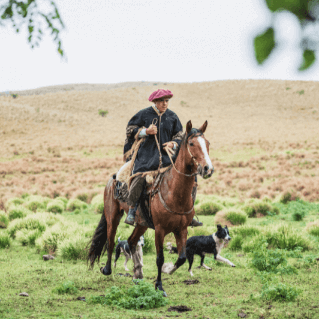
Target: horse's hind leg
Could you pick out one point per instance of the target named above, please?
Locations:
(132, 242)
(181, 237)
(113, 214)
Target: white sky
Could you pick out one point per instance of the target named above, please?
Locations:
(110, 41)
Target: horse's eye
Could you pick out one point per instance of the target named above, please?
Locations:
(191, 144)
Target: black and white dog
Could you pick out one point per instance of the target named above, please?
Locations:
(122, 247)
(213, 244)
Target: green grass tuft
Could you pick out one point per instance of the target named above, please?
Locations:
(209, 208)
(5, 240)
(4, 219)
(236, 217)
(56, 207)
(67, 287)
(141, 296)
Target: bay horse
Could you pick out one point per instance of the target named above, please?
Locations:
(172, 207)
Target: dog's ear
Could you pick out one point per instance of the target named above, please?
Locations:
(226, 227)
(219, 227)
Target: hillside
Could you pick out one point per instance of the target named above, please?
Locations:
(62, 124)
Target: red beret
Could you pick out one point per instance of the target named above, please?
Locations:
(160, 93)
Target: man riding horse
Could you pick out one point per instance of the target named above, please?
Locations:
(149, 123)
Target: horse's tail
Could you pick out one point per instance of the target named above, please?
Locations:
(98, 242)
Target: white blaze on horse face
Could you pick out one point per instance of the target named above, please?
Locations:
(204, 149)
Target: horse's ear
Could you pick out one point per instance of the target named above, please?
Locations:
(189, 126)
(203, 127)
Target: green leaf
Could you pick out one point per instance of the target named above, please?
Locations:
(264, 44)
(308, 59)
(297, 7)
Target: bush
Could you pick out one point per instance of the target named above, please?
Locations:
(246, 231)
(35, 203)
(18, 212)
(83, 197)
(5, 240)
(75, 203)
(50, 218)
(62, 199)
(312, 228)
(272, 261)
(30, 222)
(285, 237)
(236, 243)
(98, 204)
(251, 245)
(298, 215)
(140, 296)
(260, 207)
(279, 292)
(56, 207)
(49, 240)
(73, 248)
(201, 231)
(236, 217)
(209, 208)
(103, 112)
(28, 237)
(4, 220)
(14, 201)
(67, 287)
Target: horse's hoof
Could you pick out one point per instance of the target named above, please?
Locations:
(105, 272)
(164, 294)
(233, 265)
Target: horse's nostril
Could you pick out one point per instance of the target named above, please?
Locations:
(206, 168)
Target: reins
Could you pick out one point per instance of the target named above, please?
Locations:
(188, 175)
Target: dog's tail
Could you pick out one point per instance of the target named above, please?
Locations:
(119, 239)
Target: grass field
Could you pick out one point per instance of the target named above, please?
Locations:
(224, 292)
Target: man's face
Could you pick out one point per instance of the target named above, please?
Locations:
(162, 104)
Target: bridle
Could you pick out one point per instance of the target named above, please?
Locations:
(189, 175)
(192, 156)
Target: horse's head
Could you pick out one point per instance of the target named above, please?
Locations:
(198, 148)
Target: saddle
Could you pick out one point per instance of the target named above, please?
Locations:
(123, 179)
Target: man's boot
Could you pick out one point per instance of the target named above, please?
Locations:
(195, 223)
(130, 219)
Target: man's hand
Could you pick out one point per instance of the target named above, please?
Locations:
(151, 130)
(168, 147)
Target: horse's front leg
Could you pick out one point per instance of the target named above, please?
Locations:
(132, 242)
(159, 242)
(181, 238)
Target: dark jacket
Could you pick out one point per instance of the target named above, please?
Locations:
(169, 128)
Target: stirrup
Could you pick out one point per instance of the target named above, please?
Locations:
(195, 223)
(130, 219)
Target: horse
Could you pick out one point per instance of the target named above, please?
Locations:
(172, 207)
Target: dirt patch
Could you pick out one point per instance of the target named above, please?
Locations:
(191, 282)
(124, 275)
(179, 308)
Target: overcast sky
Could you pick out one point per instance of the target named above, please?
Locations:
(110, 41)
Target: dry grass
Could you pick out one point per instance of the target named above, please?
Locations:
(57, 144)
